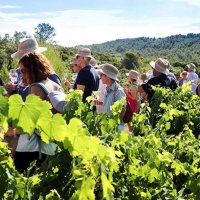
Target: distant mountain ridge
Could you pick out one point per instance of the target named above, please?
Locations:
(181, 47)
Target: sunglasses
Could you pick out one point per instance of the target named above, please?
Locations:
(23, 71)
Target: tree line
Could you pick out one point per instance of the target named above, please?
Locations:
(125, 54)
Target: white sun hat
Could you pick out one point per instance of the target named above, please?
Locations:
(192, 67)
(161, 65)
(27, 45)
(109, 70)
(84, 52)
(133, 74)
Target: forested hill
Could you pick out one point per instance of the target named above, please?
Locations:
(178, 47)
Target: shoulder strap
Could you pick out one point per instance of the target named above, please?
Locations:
(115, 91)
(42, 86)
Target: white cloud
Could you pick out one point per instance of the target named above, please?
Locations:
(9, 7)
(74, 27)
(189, 2)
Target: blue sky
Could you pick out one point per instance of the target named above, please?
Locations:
(79, 22)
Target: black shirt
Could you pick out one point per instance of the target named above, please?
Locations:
(88, 77)
(1, 82)
(162, 81)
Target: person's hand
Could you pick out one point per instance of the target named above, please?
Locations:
(97, 102)
(67, 84)
(10, 87)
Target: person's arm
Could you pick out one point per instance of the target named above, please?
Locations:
(81, 87)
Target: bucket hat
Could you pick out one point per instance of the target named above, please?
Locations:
(109, 70)
(84, 52)
(27, 45)
(161, 65)
(133, 74)
(192, 67)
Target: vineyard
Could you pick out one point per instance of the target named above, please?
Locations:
(160, 159)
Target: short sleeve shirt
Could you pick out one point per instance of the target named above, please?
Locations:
(88, 77)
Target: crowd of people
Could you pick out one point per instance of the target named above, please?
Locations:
(36, 76)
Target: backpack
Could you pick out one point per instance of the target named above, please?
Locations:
(127, 112)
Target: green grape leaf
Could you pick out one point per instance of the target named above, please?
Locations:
(153, 175)
(179, 168)
(4, 105)
(87, 189)
(167, 126)
(52, 127)
(3, 123)
(108, 189)
(26, 114)
(52, 195)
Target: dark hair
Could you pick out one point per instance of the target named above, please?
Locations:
(37, 66)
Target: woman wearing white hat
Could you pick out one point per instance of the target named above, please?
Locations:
(114, 92)
(27, 45)
(35, 69)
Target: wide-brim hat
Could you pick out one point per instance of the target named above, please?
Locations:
(161, 65)
(109, 70)
(84, 52)
(133, 74)
(27, 45)
(192, 67)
